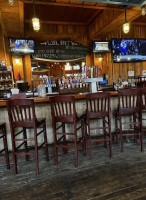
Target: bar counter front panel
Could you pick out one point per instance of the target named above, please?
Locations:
(43, 110)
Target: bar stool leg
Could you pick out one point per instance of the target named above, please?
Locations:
(26, 149)
(110, 142)
(90, 143)
(121, 134)
(64, 138)
(83, 137)
(105, 143)
(76, 149)
(55, 143)
(135, 137)
(14, 150)
(116, 125)
(36, 151)
(6, 147)
(45, 140)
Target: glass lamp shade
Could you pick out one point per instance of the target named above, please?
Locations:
(143, 10)
(36, 24)
(126, 27)
(11, 2)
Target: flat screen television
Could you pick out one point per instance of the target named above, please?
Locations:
(101, 46)
(21, 46)
(128, 50)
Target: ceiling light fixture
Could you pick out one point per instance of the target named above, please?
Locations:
(143, 10)
(11, 2)
(35, 20)
(126, 25)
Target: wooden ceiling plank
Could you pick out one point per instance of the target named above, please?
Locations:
(93, 17)
(138, 23)
(21, 16)
(2, 25)
(59, 22)
(73, 5)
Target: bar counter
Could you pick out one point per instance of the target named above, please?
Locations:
(43, 110)
(46, 99)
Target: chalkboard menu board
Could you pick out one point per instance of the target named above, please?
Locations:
(59, 50)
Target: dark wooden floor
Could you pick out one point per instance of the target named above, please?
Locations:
(122, 177)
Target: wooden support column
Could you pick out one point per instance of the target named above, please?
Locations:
(27, 69)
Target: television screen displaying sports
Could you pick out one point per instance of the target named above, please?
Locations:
(128, 50)
(21, 46)
(101, 46)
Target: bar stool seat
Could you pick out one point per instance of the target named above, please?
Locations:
(98, 109)
(64, 112)
(21, 114)
(5, 146)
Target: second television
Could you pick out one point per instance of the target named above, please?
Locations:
(101, 46)
(21, 46)
(128, 50)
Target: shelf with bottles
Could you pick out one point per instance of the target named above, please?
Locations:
(73, 84)
(6, 80)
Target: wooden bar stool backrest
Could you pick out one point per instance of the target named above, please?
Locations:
(129, 101)
(63, 108)
(98, 105)
(143, 98)
(21, 112)
(19, 96)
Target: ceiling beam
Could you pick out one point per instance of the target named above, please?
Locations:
(138, 23)
(73, 5)
(21, 17)
(59, 23)
(93, 17)
(126, 3)
(2, 25)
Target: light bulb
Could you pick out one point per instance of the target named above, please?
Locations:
(126, 27)
(36, 24)
(143, 10)
(11, 2)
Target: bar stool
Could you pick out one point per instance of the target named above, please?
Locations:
(21, 114)
(5, 149)
(98, 108)
(129, 105)
(63, 111)
(143, 111)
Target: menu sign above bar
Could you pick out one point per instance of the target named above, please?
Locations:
(59, 51)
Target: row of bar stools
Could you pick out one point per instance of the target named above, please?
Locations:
(64, 112)
(5, 146)
(129, 108)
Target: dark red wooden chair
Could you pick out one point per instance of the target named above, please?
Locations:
(129, 105)
(98, 108)
(5, 146)
(22, 115)
(63, 111)
(143, 111)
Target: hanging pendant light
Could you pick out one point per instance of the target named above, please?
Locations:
(143, 10)
(35, 20)
(11, 2)
(126, 25)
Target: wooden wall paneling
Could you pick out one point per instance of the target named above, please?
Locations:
(8, 61)
(17, 67)
(2, 50)
(27, 69)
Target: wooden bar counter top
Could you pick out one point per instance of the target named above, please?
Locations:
(46, 99)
